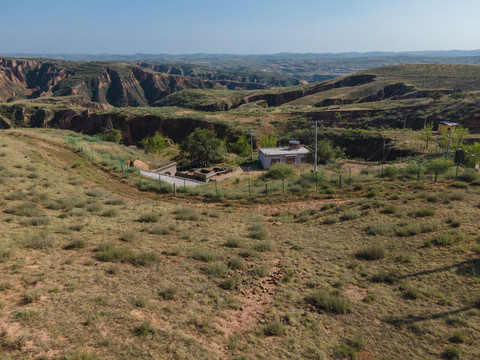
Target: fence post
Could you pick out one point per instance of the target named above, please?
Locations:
(349, 176)
(456, 172)
(174, 189)
(418, 174)
(216, 188)
(159, 182)
(316, 181)
(283, 184)
(266, 189)
(340, 181)
(381, 175)
(111, 159)
(249, 191)
(123, 170)
(436, 174)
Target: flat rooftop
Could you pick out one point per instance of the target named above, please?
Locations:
(284, 150)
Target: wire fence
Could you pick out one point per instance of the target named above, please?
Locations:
(430, 169)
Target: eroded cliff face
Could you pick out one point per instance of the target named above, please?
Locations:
(116, 84)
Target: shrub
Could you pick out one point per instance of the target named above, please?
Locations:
(5, 254)
(331, 219)
(263, 246)
(148, 218)
(441, 164)
(408, 229)
(161, 230)
(278, 171)
(422, 212)
(410, 293)
(350, 215)
(273, 328)
(233, 242)
(217, 269)
(107, 252)
(257, 231)
(445, 239)
(75, 244)
(390, 209)
(94, 193)
(330, 302)
(380, 229)
(228, 284)
(205, 255)
(40, 241)
(144, 329)
(459, 184)
(349, 348)
(371, 252)
(451, 352)
(143, 258)
(129, 236)
(373, 192)
(236, 263)
(16, 195)
(168, 293)
(390, 171)
(261, 270)
(115, 201)
(186, 214)
(387, 278)
(35, 221)
(469, 175)
(458, 337)
(30, 296)
(25, 209)
(109, 213)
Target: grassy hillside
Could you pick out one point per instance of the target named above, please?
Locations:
(93, 268)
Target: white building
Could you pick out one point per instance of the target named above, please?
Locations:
(291, 154)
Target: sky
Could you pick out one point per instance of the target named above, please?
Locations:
(236, 27)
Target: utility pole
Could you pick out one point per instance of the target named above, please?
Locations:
(251, 143)
(425, 122)
(449, 141)
(316, 132)
(405, 120)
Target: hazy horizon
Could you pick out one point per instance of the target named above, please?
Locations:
(241, 28)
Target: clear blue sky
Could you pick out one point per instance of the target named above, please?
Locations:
(240, 27)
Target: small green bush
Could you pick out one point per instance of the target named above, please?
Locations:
(408, 229)
(16, 195)
(273, 328)
(75, 244)
(95, 193)
(371, 252)
(144, 329)
(278, 171)
(148, 218)
(458, 337)
(186, 214)
(410, 293)
(451, 352)
(109, 213)
(380, 229)
(129, 236)
(206, 255)
(41, 240)
(459, 184)
(469, 175)
(350, 215)
(422, 212)
(263, 246)
(217, 269)
(331, 220)
(390, 209)
(261, 270)
(35, 221)
(448, 238)
(236, 263)
(330, 302)
(233, 242)
(168, 293)
(257, 231)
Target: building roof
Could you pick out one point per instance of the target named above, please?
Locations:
(284, 150)
(448, 123)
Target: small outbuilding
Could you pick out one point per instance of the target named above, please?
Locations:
(291, 154)
(446, 125)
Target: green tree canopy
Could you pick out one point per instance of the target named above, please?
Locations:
(267, 141)
(202, 144)
(114, 136)
(154, 144)
(240, 146)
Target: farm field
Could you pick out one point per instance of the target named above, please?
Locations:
(94, 268)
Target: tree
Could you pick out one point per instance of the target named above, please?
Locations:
(436, 96)
(427, 133)
(241, 146)
(267, 141)
(114, 136)
(202, 144)
(457, 137)
(327, 152)
(154, 144)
